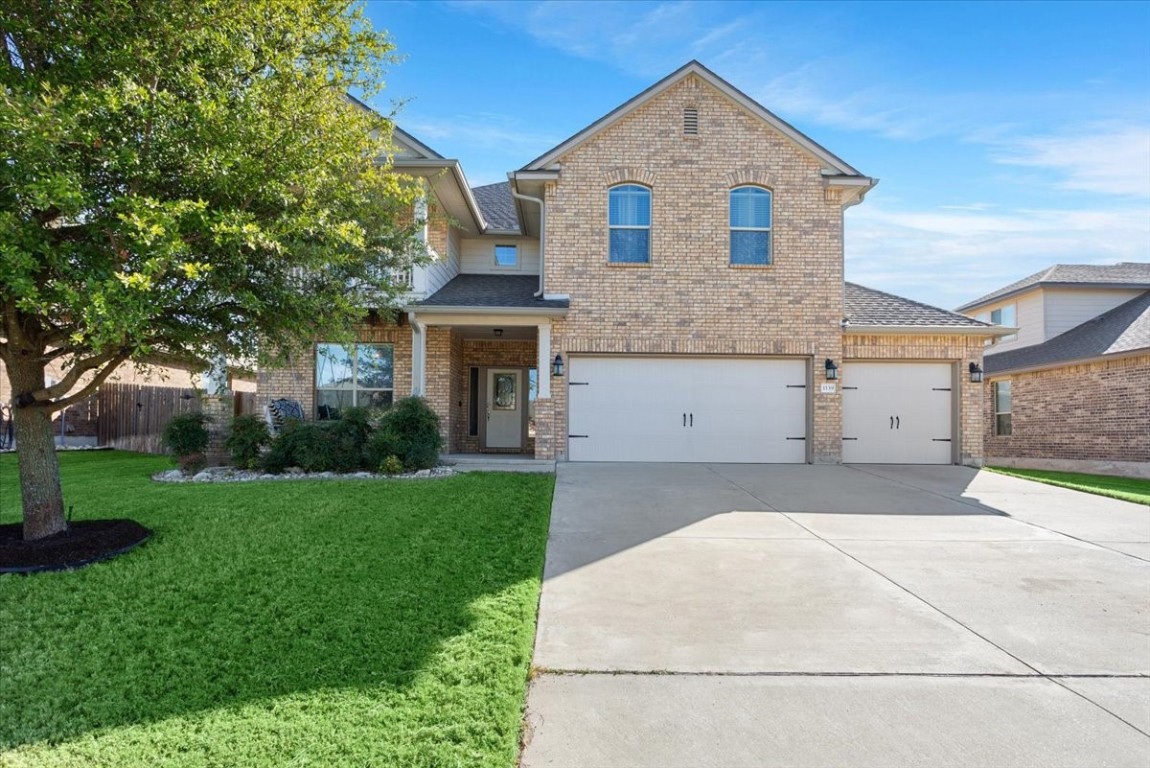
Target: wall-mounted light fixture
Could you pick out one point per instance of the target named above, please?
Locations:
(975, 373)
(832, 370)
(557, 366)
(498, 333)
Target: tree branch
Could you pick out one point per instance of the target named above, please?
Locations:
(87, 390)
(70, 379)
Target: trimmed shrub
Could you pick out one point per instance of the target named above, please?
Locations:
(247, 436)
(392, 465)
(334, 446)
(186, 436)
(410, 430)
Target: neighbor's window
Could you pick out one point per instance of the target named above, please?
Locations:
(506, 256)
(750, 225)
(352, 375)
(1002, 425)
(1005, 315)
(629, 220)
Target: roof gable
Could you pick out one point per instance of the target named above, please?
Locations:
(832, 164)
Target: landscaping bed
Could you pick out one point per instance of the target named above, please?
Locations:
(83, 543)
(265, 624)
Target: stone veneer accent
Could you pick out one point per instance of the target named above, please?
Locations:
(1089, 412)
(689, 299)
(961, 350)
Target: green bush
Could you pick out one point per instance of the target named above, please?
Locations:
(186, 437)
(248, 434)
(410, 430)
(392, 465)
(332, 446)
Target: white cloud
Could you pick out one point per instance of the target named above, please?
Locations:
(947, 257)
(1108, 158)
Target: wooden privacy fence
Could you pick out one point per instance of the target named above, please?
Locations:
(132, 416)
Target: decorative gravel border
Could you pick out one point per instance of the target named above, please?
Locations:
(232, 475)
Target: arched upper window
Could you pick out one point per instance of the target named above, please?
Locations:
(629, 221)
(750, 225)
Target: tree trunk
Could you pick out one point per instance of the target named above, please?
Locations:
(36, 451)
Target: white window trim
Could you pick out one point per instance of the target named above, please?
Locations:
(355, 388)
(495, 256)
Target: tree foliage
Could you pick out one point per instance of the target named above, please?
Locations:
(188, 178)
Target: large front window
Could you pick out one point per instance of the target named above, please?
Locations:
(353, 375)
(629, 215)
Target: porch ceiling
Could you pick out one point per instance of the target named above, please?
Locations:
(487, 332)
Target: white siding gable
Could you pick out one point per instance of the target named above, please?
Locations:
(478, 255)
(1066, 308)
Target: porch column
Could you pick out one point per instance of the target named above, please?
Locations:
(418, 356)
(544, 363)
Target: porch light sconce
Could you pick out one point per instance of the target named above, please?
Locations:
(498, 333)
(557, 366)
(975, 373)
(831, 369)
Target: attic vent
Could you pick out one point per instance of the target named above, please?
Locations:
(690, 121)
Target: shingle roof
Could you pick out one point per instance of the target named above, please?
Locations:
(1125, 328)
(1132, 274)
(502, 291)
(497, 205)
(866, 306)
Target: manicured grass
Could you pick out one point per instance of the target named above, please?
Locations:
(1125, 488)
(350, 623)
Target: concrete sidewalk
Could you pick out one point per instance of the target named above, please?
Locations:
(735, 615)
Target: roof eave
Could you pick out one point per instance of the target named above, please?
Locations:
(986, 302)
(928, 330)
(1063, 363)
(434, 309)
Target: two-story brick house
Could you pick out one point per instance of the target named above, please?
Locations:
(1070, 389)
(665, 285)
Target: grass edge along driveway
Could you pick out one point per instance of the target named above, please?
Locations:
(337, 623)
(1124, 488)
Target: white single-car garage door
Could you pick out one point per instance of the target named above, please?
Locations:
(734, 410)
(897, 413)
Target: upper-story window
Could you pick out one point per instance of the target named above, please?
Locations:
(629, 220)
(1005, 315)
(750, 225)
(506, 256)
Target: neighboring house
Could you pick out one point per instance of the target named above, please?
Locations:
(665, 285)
(78, 425)
(1071, 389)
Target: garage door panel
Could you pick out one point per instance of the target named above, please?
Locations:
(897, 413)
(735, 409)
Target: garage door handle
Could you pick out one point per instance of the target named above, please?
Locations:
(896, 422)
(892, 422)
(692, 419)
(684, 419)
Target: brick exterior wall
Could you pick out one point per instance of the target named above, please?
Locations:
(688, 299)
(1096, 411)
(961, 350)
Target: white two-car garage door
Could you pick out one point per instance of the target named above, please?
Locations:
(750, 410)
(898, 413)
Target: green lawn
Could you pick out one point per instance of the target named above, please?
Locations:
(1125, 488)
(339, 623)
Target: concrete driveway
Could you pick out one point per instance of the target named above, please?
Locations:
(733, 615)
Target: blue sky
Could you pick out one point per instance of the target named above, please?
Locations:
(1007, 136)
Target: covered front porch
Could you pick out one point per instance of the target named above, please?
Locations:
(488, 376)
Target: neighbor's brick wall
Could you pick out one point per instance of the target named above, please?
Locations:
(1094, 411)
(961, 350)
(296, 381)
(689, 300)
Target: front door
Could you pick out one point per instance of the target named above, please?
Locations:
(505, 404)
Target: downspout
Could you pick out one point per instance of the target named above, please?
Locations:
(542, 227)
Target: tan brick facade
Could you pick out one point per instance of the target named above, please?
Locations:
(1097, 411)
(961, 350)
(688, 299)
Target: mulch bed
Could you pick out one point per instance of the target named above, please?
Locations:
(84, 543)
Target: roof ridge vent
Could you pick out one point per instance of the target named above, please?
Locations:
(690, 121)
